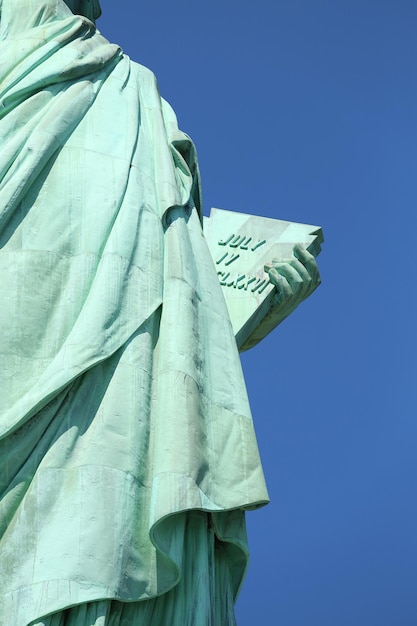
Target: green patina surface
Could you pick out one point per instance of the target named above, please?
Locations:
(127, 450)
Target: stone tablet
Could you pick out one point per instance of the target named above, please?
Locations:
(241, 245)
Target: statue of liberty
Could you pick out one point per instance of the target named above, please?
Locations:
(128, 455)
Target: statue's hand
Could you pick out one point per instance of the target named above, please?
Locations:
(294, 278)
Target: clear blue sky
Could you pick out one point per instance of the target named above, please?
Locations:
(306, 110)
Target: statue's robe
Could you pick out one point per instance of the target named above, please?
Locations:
(127, 450)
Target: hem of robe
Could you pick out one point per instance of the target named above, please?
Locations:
(32, 603)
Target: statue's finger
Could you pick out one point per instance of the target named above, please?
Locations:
(279, 259)
(301, 269)
(309, 262)
(293, 277)
(282, 285)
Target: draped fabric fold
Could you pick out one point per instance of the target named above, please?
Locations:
(122, 404)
